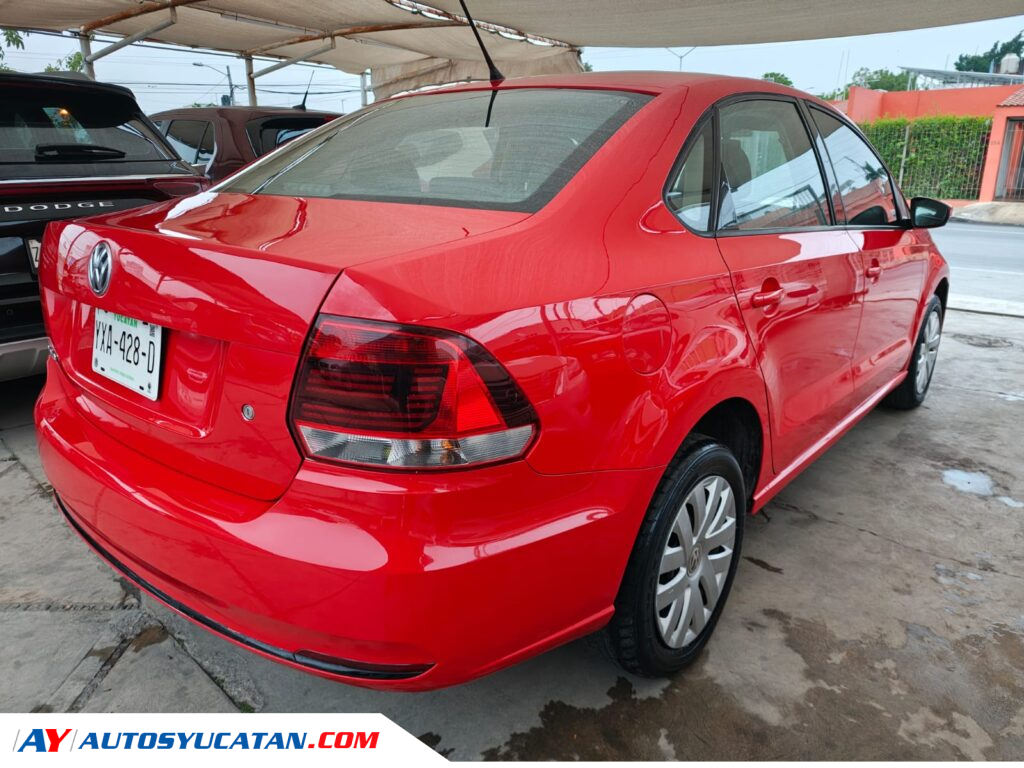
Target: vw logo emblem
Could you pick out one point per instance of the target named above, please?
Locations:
(100, 264)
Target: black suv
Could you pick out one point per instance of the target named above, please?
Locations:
(69, 147)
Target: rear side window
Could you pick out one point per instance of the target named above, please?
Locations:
(504, 149)
(192, 139)
(865, 186)
(689, 194)
(51, 127)
(268, 134)
(771, 172)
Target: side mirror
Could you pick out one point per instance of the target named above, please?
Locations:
(926, 212)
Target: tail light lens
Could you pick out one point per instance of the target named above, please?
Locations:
(398, 396)
(182, 187)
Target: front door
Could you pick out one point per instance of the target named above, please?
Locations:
(895, 261)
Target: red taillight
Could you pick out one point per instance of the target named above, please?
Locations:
(182, 187)
(398, 396)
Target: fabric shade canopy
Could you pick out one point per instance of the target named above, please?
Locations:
(406, 44)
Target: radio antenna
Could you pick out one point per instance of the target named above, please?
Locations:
(493, 71)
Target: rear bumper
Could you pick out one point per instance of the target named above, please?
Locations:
(388, 580)
(26, 357)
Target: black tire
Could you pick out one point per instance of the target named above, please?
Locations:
(909, 394)
(634, 638)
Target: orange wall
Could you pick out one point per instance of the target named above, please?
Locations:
(995, 150)
(865, 104)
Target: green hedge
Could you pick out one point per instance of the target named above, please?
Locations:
(944, 157)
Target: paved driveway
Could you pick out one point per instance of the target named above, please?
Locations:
(878, 611)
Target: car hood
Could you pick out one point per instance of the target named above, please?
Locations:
(325, 234)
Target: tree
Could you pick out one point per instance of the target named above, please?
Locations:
(981, 62)
(777, 77)
(73, 62)
(12, 38)
(588, 67)
(202, 104)
(883, 80)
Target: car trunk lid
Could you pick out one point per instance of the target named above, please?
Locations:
(236, 296)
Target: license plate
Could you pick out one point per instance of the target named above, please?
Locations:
(127, 351)
(33, 253)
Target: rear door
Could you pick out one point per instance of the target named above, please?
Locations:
(796, 275)
(895, 265)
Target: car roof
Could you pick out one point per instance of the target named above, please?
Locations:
(69, 80)
(247, 113)
(653, 82)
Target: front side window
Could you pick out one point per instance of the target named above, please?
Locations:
(771, 177)
(689, 194)
(504, 150)
(865, 186)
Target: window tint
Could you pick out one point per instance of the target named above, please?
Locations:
(865, 186)
(689, 195)
(504, 149)
(206, 146)
(187, 138)
(769, 168)
(76, 127)
(269, 133)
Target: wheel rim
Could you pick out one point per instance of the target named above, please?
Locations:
(928, 351)
(695, 561)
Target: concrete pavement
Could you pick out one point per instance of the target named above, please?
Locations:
(878, 611)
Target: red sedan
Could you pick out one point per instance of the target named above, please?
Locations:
(465, 375)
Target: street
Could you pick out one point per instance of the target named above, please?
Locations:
(986, 265)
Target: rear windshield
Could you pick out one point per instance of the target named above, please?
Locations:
(54, 128)
(270, 133)
(502, 149)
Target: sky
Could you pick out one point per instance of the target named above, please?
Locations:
(162, 79)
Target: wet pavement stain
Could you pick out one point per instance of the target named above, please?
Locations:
(149, 636)
(762, 564)
(979, 340)
(864, 702)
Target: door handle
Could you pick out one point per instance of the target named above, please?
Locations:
(766, 298)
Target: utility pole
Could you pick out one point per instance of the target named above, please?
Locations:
(225, 71)
(362, 87)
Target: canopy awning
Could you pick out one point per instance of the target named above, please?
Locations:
(407, 44)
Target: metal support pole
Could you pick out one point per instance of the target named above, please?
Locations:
(231, 88)
(362, 87)
(85, 44)
(295, 60)
(250, 81)
(142, 35)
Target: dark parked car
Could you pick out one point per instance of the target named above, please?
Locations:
(220, 140)
(69, 147)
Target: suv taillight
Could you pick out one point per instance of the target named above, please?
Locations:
(182, 187)
(405, 397)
